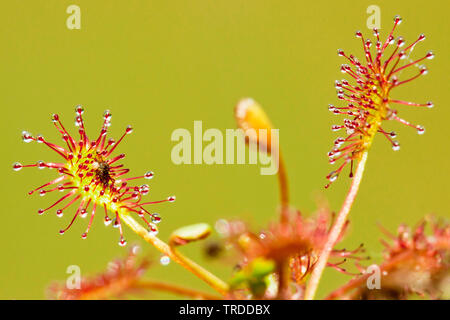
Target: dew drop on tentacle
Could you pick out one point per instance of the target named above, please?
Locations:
(395, 146)
(107, 115)
(77, 121)
(111, 142)
(171, 199)
(336, 127)
(152, 229)
(398, 19)
(332, 176)
(40, 139)
(122, 242)
(79, 109)
(148, 175)
(391, 40)
(135, 195)
(420, 130)
(156, 218)
(26, 137)
(144, 189)
(107, 221)
(336, 153)
(59, 213)
(337, 85)
(40, 164)
(17, 166)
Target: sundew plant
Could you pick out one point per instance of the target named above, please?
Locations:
(286, 259)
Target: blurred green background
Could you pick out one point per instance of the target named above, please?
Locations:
(160, 65)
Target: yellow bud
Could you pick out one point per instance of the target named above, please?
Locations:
(250, 115)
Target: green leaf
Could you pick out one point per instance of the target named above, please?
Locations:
(254, 276)
(262, 267)
(190, 233)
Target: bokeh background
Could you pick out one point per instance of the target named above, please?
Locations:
(160, 65)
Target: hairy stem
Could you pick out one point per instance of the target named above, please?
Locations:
(172, 288)
(336, 230)
(216, 283)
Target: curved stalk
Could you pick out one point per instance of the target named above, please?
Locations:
(216, 283)
(172, 288)
(284, 190)
(336, 230)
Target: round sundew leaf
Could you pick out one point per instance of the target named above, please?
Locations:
(190, 233)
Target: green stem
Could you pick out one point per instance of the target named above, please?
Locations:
(216, 283)
(336, 230)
